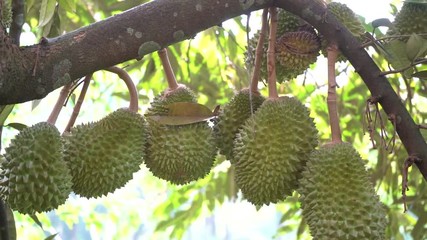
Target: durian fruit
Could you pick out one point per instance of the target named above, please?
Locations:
(271, 149)
(104, 155)
(286, 23)
(6, 13)
(411, 19)
(231, 118)
(349, 19)
(34, 176)
(295, 51)
(337, 197)
(181, 153)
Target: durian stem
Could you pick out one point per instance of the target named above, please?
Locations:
(133, 94)
(332, 95)
(59, 104)
(271, 56)
(79, 103)
(170, 76)
(259, 52)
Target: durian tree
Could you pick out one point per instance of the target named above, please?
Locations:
(267, 150)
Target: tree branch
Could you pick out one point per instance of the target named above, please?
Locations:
(130, 35)
(315, 13)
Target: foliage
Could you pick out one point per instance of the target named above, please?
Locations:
(212, 65)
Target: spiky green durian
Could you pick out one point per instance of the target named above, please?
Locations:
(411, 19)
(287, 22)
(34, 176)
(231, 118)
(349, 19)
(160, 102)
(6, 13)
(179, 154)
(104, 155)
(337, 197)
(298, 58)
(271, 149)
(296, 51)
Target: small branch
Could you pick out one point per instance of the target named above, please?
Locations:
(271, 55)
(79, 103)
(424, 60)
(372, 40)
(59, 104)
(259, 52)
(406, 165)
(18, 19)
(422, 126)
(332, 95)
(170, 76)
(133, 103)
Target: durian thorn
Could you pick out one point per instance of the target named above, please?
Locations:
(170, 76)
(59, 103)
(332, 95)
(271, 58)
(133, 94)
(79, 103)
(259, 52)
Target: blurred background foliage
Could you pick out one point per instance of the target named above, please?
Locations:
(212, 64)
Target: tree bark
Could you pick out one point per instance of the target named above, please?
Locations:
(32, 72)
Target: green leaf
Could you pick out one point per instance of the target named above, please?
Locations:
(51, 237)
(189, 109)
(68, 5)
(35, 104)
(398, 58)
(36, 220)
(421, 75)
(183, 113)
(381, 22)
(416, 47)
(17, 126)
(5, 110)
(46, 11)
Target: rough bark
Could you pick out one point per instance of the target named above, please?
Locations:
(34, 71)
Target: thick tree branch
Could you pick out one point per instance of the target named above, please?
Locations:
(130, 35)
(314, 12)
(32, 72)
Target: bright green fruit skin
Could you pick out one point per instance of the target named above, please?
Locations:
(271, 150)
(104, 155)
(338, 199)
(412, 18)
(178, 154)
(232, 117)
(34, 176)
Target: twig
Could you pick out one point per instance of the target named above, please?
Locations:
(408, 163)
(133, 103)
(59, 104)
(271, 57)
(18, 15)
(424, 60)
(422, 126)
(79, 103)
(259, 52)
(373, 40)
(332, 95)
(170, 76)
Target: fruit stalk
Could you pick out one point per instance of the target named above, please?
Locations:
(59, 104)
(79, 103)
(259, 52)
(133, 94)
(332, 95)
(170, 76)
(271, 57)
